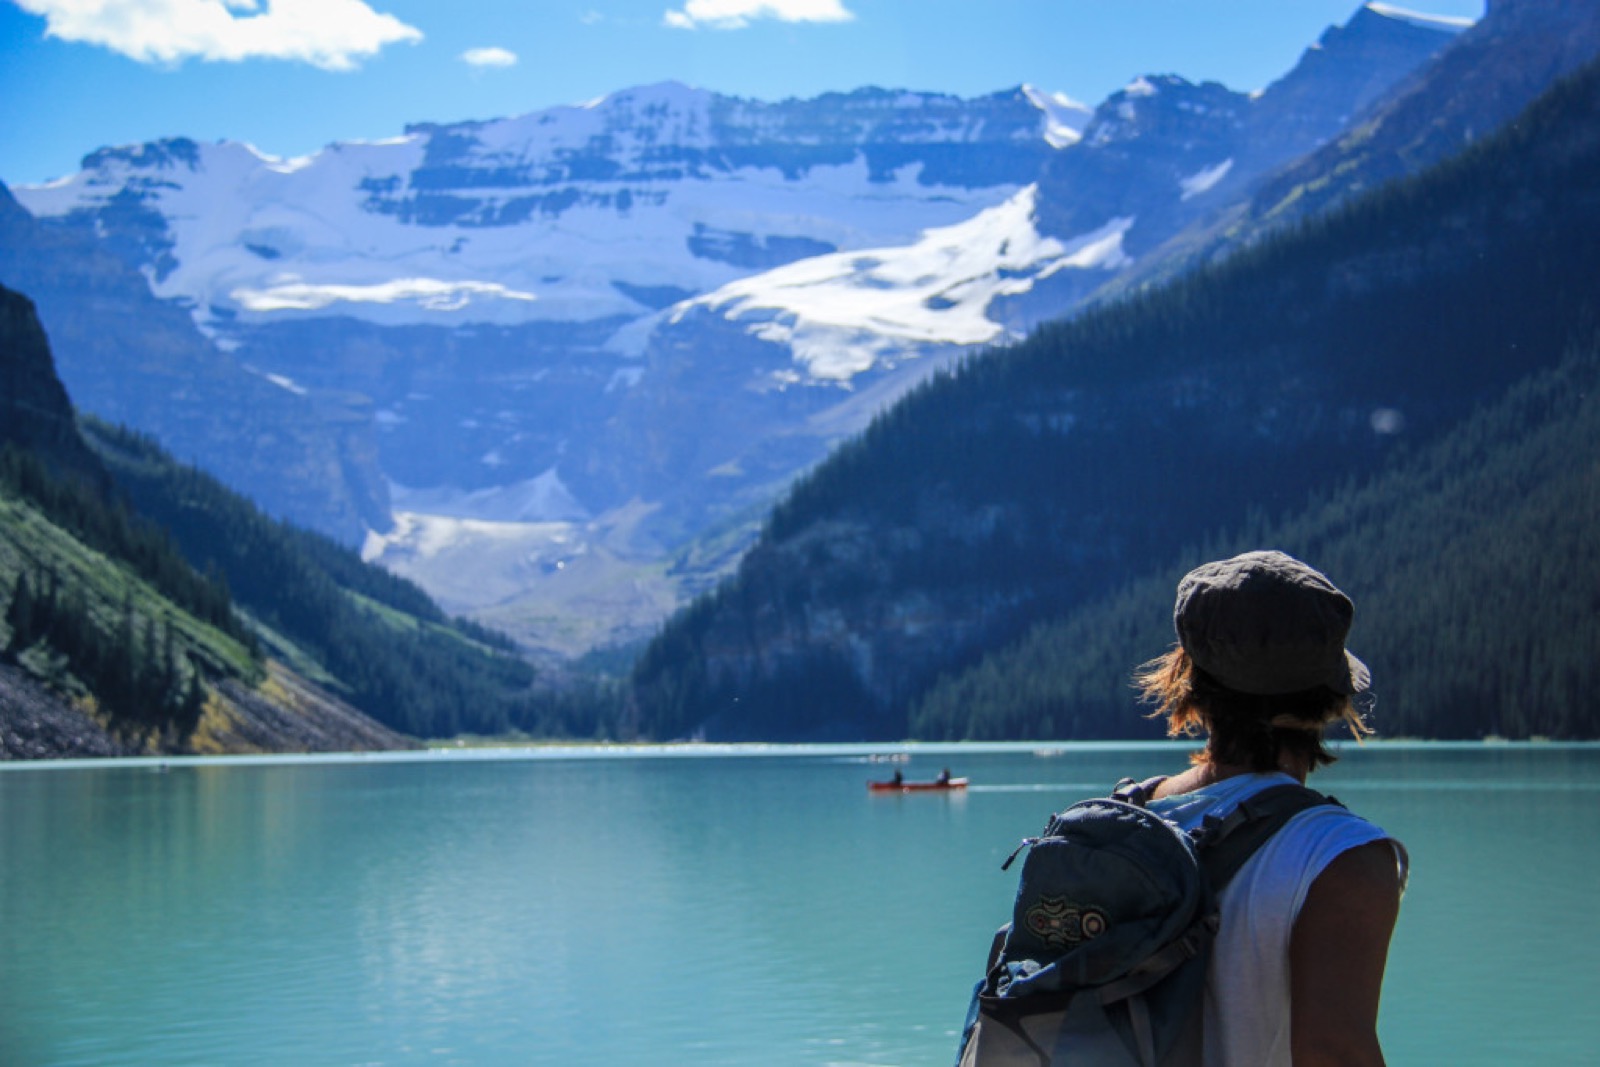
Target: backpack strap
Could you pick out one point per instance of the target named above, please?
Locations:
(1226, 843)
(1131, 791)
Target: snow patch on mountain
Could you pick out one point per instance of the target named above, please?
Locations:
(537, 500)
(253, 240)
(1446, 23)
(289, 293)
(1065, 118)
(281, 381)
(472, 563)
(1204, 180)
(841, 314)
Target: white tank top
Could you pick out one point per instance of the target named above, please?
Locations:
(1247, 988)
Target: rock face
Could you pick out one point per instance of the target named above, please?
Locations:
(286, 715)
(34, 410)
(1496, 69)
(612, 330)
(289, 714)
(36, 724)
(1170, 152)
(133, 359)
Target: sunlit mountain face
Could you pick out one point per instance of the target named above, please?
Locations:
(571, 356)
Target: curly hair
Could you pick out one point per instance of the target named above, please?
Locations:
(1243, 728)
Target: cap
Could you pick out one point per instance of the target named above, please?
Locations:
(1264, 623)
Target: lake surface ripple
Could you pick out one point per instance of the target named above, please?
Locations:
(689, 906)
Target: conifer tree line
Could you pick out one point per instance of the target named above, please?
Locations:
(126, 626)
(266, 586)
(95, 516)
(1005, 497)
(1474, 569)
(136, 670)
(385, 645)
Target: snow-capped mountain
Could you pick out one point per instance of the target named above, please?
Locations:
(587, 337)
(603, 211)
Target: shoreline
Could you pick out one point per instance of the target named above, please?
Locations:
(493, 751)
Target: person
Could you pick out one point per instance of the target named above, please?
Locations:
(944, 777)
(1260, 669)
(898, 779)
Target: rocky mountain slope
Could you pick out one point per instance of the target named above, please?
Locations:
(1051, 474)
(134, 359)
(1494, 70)
(35, 413)
(587, 347)
(73, 606)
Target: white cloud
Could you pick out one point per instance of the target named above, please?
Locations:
(332, 34)
(489, 57)
(737, 14)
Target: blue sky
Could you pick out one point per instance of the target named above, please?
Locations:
(290, 76)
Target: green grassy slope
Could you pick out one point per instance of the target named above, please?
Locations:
(113, 643)
(375, 639)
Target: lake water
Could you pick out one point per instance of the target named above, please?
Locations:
(740, 907)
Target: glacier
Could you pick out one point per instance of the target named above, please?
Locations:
(583, 349)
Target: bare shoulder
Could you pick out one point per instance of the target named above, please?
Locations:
(1352, 905)
(1373, 874)
(1338, 953)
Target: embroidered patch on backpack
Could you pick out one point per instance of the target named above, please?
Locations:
(1061, 924)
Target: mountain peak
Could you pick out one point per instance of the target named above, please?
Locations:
(670, 93)
(165, 153)
(35, 411)
(1065, 118)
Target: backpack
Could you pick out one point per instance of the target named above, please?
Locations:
(1104, 960)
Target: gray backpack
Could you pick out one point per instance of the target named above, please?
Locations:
(1104, 961)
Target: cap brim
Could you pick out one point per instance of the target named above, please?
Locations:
(1359, 678)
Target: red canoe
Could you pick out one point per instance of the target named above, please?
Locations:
(916, 787)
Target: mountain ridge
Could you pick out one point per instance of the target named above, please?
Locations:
(1496, 67)
(1011, 489)
(603, 321)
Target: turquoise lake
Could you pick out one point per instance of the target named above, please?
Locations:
(748, 906)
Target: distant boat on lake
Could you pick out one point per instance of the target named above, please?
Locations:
(937, 785)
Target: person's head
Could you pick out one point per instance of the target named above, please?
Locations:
(1260, 665)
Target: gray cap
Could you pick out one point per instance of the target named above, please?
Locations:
(1267, 624)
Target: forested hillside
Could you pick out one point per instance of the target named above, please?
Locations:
(144, 607)
(1473, 565)
(375, 639)
(101, 607)
(1050, 475)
